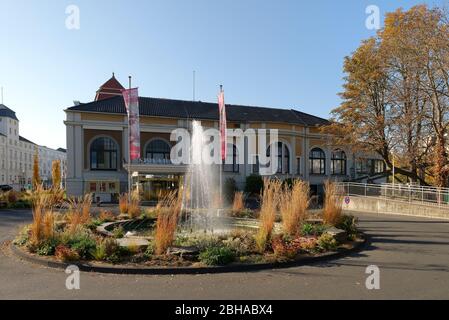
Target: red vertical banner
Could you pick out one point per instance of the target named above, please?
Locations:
(131, 97)
(222, 114)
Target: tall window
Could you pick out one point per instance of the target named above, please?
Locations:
(283, 158)
(103, 154)
(338, 162)
(317, 161)
(231, 164)
(157, 149)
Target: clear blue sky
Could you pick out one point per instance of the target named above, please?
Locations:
(285, 54)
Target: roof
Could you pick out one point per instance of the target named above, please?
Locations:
(25, 140)
(169, 108)
(6, 112)
(61, 150)
(109, 89)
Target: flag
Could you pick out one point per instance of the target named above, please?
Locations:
(131, 97)
(222, 114)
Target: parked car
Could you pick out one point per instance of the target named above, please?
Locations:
(5, 187)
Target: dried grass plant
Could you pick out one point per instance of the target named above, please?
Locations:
(268, 209)
(123, 203)
(134, 205)
(238, 203)
(332, 209)
(168, 211)
(293, 205)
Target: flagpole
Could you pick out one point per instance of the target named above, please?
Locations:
(129, 151)
(221, 160)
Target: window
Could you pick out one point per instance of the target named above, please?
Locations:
(298, 165)
(378, 166)
(361, 166)
(157, 149)
(231, 163)
(283, 158)
(317, 161)
(338, 162)
(103, 154)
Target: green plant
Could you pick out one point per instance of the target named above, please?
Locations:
(48, 247)
(93, 224)
(118, 232)
(327, 242)
(149, 251)
(217, 256)
(99, 253)
(112, 250)
(348, 223)
(254, 184)
(84, 246)
(23, 237)
(282, 248)
(311, 229)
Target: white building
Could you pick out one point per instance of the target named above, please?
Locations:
(16, 154)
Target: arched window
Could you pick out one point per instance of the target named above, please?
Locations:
(157, 149)
(317, 161)
(103, 154)
(338, 162)
(231, 163)
(283, 158)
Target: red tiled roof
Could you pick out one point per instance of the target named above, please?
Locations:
(109, 89)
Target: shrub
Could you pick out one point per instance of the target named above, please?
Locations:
(283, 249)
(327, 242)
(112, 250)
(65, 253)
(93, 224)
(149, 251)
(168, 211)
(348, 223)
(83, 246)
(332, 203)
(254, 184)
(217, 256)
(238, 204)
(229, 189)
(310, 229)
(294, 201)
(240, 243)
(270, 199)
(123, 203)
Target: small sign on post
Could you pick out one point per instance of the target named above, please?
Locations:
(347, 200)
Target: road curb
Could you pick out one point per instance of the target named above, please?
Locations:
(359, 246)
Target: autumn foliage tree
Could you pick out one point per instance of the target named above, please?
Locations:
(395, 97)
(36, 177)
(56, 173)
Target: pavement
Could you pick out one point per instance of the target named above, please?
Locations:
(411, 253)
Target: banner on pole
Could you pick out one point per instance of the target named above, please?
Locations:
(131, 97)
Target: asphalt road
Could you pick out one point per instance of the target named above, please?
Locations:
(412, 254)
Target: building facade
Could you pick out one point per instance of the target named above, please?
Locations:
(97, 145)
(17, 152)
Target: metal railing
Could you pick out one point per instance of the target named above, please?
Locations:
(399, 192)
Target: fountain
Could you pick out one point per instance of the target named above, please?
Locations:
(202, 190)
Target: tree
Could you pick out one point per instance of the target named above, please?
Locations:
(36, 177)
(56, 173)
(395, 98)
